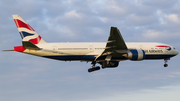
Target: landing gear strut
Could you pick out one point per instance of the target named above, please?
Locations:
(104, 65)
(94, 68)
(165, 60)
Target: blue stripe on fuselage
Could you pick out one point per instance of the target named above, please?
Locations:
(92, 57)
(158, 56)
(73, 57)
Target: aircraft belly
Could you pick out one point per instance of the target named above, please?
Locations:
(158, 56)
(72, 57)
(113, 58)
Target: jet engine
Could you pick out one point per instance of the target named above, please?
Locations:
(113, 64)
(136, 54)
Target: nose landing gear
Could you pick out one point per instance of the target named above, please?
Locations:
(166, 60)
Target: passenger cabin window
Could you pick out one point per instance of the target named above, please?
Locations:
(72, 48)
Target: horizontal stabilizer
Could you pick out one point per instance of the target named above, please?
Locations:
(29, 45)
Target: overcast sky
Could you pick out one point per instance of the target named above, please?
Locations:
(29, 78)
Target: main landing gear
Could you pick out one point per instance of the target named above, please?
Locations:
(94, 68)
(166, 60)
(104, 64)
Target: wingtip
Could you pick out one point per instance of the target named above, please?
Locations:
(113, 27)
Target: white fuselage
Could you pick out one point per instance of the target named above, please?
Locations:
(89, 50)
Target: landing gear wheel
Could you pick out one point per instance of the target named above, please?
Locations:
(104, 65)
(165, 65)
(93, 69)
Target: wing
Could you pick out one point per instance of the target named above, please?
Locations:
(115, 46)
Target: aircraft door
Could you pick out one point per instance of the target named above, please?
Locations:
(91, 48)
(54, 49)
(141, 47)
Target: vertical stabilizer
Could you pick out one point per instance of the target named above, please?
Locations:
(26, 31)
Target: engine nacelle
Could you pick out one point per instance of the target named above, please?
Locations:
(112, 64)
(136, 54)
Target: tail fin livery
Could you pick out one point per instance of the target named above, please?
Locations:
(26, 31)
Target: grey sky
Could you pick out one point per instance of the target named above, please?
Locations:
(25, 77)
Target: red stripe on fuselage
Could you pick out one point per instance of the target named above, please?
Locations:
(164, 46)
(21, 24)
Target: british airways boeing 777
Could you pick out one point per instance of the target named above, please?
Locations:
(107, 54)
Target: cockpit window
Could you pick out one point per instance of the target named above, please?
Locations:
(174, 48)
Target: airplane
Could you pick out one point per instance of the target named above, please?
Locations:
(107, 54)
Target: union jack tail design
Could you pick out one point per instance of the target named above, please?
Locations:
(26, 31)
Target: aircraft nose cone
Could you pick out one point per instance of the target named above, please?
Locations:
(176, 52)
